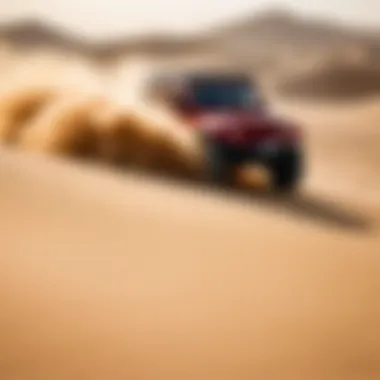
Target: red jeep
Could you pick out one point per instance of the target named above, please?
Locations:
(235, 125)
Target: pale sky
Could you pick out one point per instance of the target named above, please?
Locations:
(102, 18)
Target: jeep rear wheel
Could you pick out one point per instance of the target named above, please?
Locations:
(219, 167)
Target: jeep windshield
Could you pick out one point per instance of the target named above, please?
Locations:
(224, 94)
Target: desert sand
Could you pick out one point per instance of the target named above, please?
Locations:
(112, 275)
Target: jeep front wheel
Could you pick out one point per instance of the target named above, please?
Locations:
(286, 170)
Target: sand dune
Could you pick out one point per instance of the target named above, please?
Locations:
(110, 276)
(339, 79)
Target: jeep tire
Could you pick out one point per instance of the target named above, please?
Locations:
(219, 166)
(286, 170)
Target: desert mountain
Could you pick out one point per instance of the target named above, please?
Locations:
(32, 34)
(267, 29)
(281, 26)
